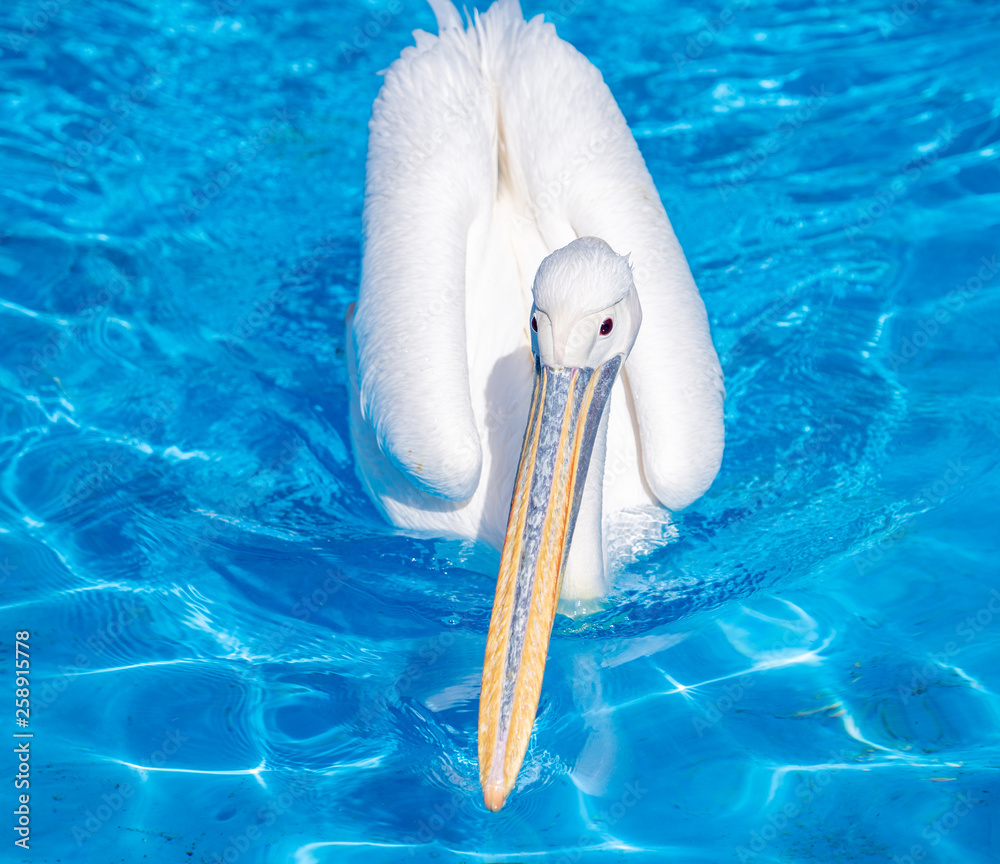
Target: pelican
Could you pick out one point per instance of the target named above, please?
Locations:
(514, 242)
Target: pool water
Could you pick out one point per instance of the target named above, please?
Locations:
(233, 657)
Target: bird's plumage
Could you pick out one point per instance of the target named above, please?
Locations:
(491, 147)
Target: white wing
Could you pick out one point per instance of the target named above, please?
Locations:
(431, 170)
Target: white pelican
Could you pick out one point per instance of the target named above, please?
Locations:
(496, 354)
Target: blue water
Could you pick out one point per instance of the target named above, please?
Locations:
(233, 658)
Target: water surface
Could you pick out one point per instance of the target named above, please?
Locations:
(235, 658)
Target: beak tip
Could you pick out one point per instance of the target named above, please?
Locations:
(494, 797)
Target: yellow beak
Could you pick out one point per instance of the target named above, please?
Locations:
(566, 409)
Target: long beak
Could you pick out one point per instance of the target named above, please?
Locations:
(566, 409)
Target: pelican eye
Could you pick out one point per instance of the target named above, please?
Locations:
(534, 323)
(606, 326)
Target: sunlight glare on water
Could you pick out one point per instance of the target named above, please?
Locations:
(236, 659)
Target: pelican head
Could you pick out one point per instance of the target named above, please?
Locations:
(584, 321)
(586, 308)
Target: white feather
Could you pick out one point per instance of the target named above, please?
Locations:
(491, 147)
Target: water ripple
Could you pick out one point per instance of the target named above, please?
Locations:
(239, 660)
